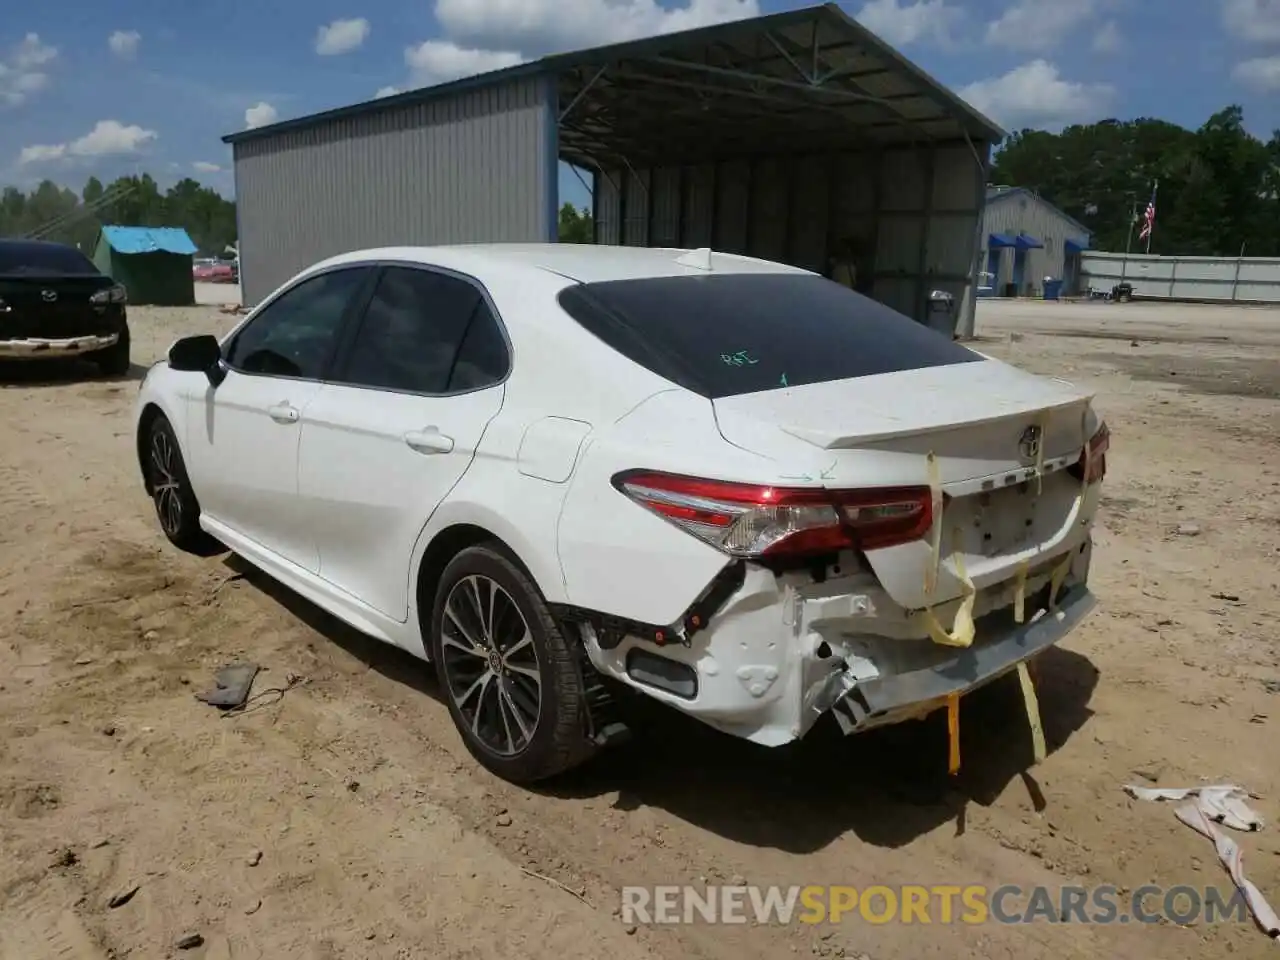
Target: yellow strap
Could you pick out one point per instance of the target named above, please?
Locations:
(962, 628)
(953, 734)
(1020, 594)
(935, 534)
(1032, 704)
(1055, 581)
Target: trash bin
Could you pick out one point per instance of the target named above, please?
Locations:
(941, 313)
(1052, 289)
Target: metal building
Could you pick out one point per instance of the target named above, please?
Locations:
(1025, 238)
(790, 136)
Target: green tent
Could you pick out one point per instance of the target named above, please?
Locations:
(153, 263)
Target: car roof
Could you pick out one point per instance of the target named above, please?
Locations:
(21, 243)
(584, 263)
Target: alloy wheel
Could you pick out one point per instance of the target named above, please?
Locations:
(490, 665)
(165, 485)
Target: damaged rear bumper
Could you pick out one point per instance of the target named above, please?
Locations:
(784, 650)
(891, 699)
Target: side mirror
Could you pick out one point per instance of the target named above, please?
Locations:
(201, 354)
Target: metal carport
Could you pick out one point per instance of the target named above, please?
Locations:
(779, 137)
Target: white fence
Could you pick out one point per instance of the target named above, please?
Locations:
(1218, 279)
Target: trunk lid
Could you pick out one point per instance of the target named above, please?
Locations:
(989, 426)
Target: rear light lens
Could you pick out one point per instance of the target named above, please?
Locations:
(114, 294)
(748, 520)
(1095, 456)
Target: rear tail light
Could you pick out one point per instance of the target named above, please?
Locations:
(113, 294)
(1092, 465)
(748, 520)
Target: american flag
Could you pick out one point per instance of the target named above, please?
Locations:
(1149, 218)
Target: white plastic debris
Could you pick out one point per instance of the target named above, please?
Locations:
(1220, 804)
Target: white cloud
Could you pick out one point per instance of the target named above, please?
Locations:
(1256, 20)
(111, 136)
(437, 61)
(1038, 24)
(927, 21)
(260, 114)
(204, 166)
(1107, 39)
(1261, 73)
(107, 137)
(124, 43)
(42, 153)
(1035, 95)
(341, 36)
(544, 26)
(23, 72)
(387, 91)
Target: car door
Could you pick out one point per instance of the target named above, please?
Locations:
(397, 426)
(243, 434)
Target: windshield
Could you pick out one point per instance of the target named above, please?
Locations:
(742, 333)
(36, 258)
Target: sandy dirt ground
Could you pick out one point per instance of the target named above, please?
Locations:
(342, 818)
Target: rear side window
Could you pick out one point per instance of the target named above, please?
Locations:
(425, 332)
(43, 259)
(742, 333)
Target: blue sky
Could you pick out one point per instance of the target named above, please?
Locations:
(150, 85)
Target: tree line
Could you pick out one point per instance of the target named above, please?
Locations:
(1219, 186)
(57, 213)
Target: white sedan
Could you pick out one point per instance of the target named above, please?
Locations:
(732, 485)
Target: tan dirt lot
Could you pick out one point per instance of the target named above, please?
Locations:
(379, 837)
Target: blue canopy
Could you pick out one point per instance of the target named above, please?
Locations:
(1025, 241)
(999, 240)
(149, 240)
(1075, 246)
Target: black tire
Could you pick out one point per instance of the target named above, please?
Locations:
(176, 506)
(114, 361)
(557, 741)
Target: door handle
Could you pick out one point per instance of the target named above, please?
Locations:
(283, 413)
(430, 440)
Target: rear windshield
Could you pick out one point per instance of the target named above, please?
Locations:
(742, 333)
(31, 257)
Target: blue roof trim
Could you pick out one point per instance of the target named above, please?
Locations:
(1024, 241)
(1075, 246)
(149, 240)
(997, 241)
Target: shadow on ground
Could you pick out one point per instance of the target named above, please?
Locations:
(888, 786)
(60, 373)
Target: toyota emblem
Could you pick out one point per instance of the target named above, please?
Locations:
(1029, 444)
(48, 296)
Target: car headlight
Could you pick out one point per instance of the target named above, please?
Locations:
(113, 294)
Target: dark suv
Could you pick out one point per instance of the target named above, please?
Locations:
(55, 303)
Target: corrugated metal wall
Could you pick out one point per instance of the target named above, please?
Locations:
(913, 212)
(1023, 213)
(1217, 279)
(478, 166)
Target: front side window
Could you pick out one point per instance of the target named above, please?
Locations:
(295, 334)
(425, 332)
